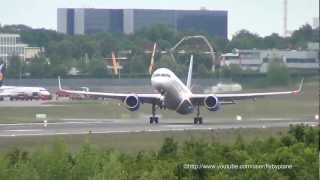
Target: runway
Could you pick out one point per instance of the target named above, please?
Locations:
(95, 126)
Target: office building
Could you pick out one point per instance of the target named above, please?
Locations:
(258, 60)
(10, 45)
(89, 21)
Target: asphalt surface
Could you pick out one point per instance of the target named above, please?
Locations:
(83, 126)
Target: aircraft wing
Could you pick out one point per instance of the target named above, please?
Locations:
(230, 98)
(145, 98)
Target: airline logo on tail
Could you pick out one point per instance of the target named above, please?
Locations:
(2, 70)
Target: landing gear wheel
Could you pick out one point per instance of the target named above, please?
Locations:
(154, 118)
(195, 120)
(198, 119)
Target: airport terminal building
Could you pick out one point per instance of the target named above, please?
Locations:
(89, 21)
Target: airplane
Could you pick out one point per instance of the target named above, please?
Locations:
(21, 92)
(174, 95)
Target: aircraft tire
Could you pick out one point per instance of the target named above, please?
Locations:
(195, 120)
(151, 120)
(156, 120)
(200, 120)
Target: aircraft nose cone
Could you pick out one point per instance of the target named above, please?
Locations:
(159, 83)
(46, 93)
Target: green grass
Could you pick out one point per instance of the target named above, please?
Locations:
(135, 142)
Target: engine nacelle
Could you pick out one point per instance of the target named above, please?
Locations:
(132, 102)
(211, 103)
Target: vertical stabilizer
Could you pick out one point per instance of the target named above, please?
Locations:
(2, 72)
(190, 72)
(59, 83)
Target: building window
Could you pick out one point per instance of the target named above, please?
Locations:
(297, 60)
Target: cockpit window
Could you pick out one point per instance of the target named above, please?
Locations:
(162, 75)
(165, 75)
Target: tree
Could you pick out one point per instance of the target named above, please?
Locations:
(38, 67)
(300, 37)
(275, 41)
(235, 70)
(203, 71)
(97, 67)
(58, 70)
(298, 132)
(246, 40)
(137, 65)
(278, 73)
(53, 163)
(165, 61)
(168, 149)
(15, 67)
(112, 168)
(86, 162)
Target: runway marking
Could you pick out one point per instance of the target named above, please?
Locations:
(132, 128)
(176, 125)
(24, 130)
(52, 123)
(84, 119)
(275, 119)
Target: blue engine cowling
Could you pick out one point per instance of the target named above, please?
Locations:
(212, 103)
(132, 102)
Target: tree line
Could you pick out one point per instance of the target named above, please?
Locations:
(297, 150)
(87, 52)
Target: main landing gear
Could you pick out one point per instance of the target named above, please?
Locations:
(198, 119)
(154, 118)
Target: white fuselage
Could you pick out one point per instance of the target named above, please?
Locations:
(29, 91)
(176, 94)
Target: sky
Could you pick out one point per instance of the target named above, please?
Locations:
(263, 17)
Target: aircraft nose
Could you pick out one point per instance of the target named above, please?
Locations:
(46, 93)
(159, 82)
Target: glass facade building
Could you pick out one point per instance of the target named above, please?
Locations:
(88, 21)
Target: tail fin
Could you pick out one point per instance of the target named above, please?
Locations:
(2, 72)
(59, 83)
(190, 72)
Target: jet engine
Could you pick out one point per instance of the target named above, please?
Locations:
(212, 103)
(132, 102)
